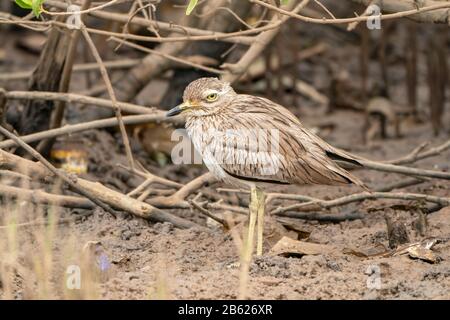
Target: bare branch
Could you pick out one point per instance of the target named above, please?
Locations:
(326, 204)
(401, 9)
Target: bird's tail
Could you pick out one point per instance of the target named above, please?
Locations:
(355, 180)
(343, 157)
(338, 157)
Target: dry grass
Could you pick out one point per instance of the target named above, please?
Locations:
(38, 253)
(41, 254)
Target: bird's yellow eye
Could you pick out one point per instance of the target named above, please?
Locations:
(212, 97)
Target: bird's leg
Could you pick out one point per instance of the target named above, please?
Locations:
(261, 202)
(247, 249)
(251, 224)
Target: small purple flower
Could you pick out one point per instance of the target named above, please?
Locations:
(103, 262)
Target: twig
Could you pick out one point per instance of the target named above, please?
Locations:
(9, 161)
(155, 192)
(418, 153)
(351, 26)
(98, 8)
(320, 4)
(242, 21)
(396, 15)
(261, 41)
(368, 164)
(70, 181)
(227, 207)
(111, 93)
(81, 99)
(96, 124)
(192, 34)
(177, 200)
(168, 56)
(401, 184)
(14, 175)
(42, 197)
(140, 188)
(273, 195)
(431, 14)
(209, 214)
(111, 197)
(152, 178)
(115, 64)
(323, 217)
(326, 204)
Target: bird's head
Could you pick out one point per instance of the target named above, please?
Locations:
(204, 96)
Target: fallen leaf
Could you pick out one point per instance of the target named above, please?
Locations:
(300, 230)
(378, 250)
(355, 253)
(421, 250)
(290, 247)
(418, 252)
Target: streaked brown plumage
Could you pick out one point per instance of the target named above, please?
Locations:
(252, 141)
(305, 158)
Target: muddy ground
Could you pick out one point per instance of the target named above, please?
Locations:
(150, 260)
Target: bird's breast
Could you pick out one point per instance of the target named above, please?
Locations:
(226, 150)
(205, 141)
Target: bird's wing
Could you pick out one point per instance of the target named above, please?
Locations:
(268, 143)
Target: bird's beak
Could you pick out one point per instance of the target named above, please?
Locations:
(178, 109)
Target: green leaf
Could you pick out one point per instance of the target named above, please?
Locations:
(37, 7)
(284, 2)
(191, 6)
(25, 4)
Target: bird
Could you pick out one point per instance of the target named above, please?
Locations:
(252, 142)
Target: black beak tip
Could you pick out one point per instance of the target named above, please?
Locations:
(173, 112)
